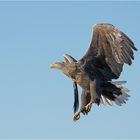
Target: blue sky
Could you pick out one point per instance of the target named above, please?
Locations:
(36, 101)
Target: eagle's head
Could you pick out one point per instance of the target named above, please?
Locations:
(68, 67)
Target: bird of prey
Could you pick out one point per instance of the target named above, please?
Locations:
(109, 50)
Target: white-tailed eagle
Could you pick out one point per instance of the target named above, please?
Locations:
(109, 50)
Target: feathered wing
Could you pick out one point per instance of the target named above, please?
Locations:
(109, 50)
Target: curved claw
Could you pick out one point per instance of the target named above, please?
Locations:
(76, 116)
(88, 107)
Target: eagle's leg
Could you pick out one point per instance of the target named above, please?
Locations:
(93, 94)
(85, 99)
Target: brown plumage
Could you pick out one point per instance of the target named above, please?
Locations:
(109, 50)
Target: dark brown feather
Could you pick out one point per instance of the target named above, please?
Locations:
(112, 47)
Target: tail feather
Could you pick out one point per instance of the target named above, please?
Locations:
(114, 93)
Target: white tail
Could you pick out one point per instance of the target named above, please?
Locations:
(119, 99)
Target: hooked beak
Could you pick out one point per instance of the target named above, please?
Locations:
(57, 65)
(53, 65)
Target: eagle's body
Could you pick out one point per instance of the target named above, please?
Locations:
(109, 50)
(83, 80)
(79, 76)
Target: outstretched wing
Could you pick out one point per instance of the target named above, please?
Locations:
(109, 50)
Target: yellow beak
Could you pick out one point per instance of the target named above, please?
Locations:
(52, 65)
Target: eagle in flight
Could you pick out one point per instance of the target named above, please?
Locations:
(109, 50)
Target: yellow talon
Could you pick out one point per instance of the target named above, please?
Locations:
(76, 116)
(88, 107)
